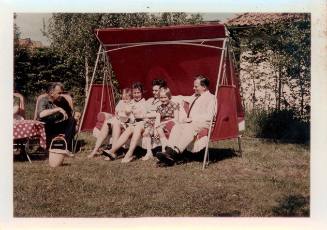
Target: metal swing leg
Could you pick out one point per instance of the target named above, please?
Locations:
(26, 149)
(206, 156)
(239, 146)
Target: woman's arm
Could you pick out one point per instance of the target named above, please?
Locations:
(157, 122)
(176, 115)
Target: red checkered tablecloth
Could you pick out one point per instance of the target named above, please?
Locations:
(30, 128)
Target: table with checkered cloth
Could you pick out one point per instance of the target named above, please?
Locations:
(30, 128)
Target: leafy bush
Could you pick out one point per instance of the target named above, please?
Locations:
(277, 125)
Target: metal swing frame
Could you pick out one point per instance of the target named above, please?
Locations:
(221, 74)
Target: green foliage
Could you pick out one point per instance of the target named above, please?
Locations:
(34, 69)
(280, 125)
(286, 46)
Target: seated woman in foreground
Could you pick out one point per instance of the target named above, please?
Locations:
(123, 117)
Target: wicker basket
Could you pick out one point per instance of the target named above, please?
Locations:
(57, 156)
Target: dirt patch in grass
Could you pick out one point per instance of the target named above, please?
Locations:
(269, 180)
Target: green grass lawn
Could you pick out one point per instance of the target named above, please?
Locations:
(269, 180)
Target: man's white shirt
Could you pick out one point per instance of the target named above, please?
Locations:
(204, 108)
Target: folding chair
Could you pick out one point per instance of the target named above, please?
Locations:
(21, 106)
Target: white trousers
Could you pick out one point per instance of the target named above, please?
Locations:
(183, 134)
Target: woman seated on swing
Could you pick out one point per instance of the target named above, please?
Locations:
(145, 116)
(124, 116)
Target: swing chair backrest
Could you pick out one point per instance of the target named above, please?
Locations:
(175, 53)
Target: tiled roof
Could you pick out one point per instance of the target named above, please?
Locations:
(248, 19)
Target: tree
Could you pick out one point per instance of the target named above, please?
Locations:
(286, 46)
(34, 69)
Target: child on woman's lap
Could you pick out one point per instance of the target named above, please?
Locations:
(166, 112)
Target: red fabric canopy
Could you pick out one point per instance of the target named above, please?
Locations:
(177, 64)
(226, 122)
(119, 36)
(176, 54)
(93, 106)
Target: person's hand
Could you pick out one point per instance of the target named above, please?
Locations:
(128, 110)
(156, 125)
(187, 120)
(146, 119)
(63, 112)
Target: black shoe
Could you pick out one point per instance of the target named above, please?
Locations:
(166, 158)
(172, 153)
(104, 153)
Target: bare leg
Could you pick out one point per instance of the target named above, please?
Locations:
(135, 138)
(163, 138)
(101, 137)
(147, 140)
(116, 130)
(120, 142)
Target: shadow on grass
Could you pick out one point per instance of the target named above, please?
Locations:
(215, 155)
(79, 145)
(292, 206)
(36, 153)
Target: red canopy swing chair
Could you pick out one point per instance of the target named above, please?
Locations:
(177, 54)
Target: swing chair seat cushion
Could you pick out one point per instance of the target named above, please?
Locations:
(101, 118)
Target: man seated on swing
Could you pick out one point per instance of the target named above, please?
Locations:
(201, 112)
(54, 110)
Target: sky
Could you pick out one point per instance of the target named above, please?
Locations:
(30, 24)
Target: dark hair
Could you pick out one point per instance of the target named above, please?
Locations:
(203, 80)
(138, 85)
(53, 85)
(160, 82)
